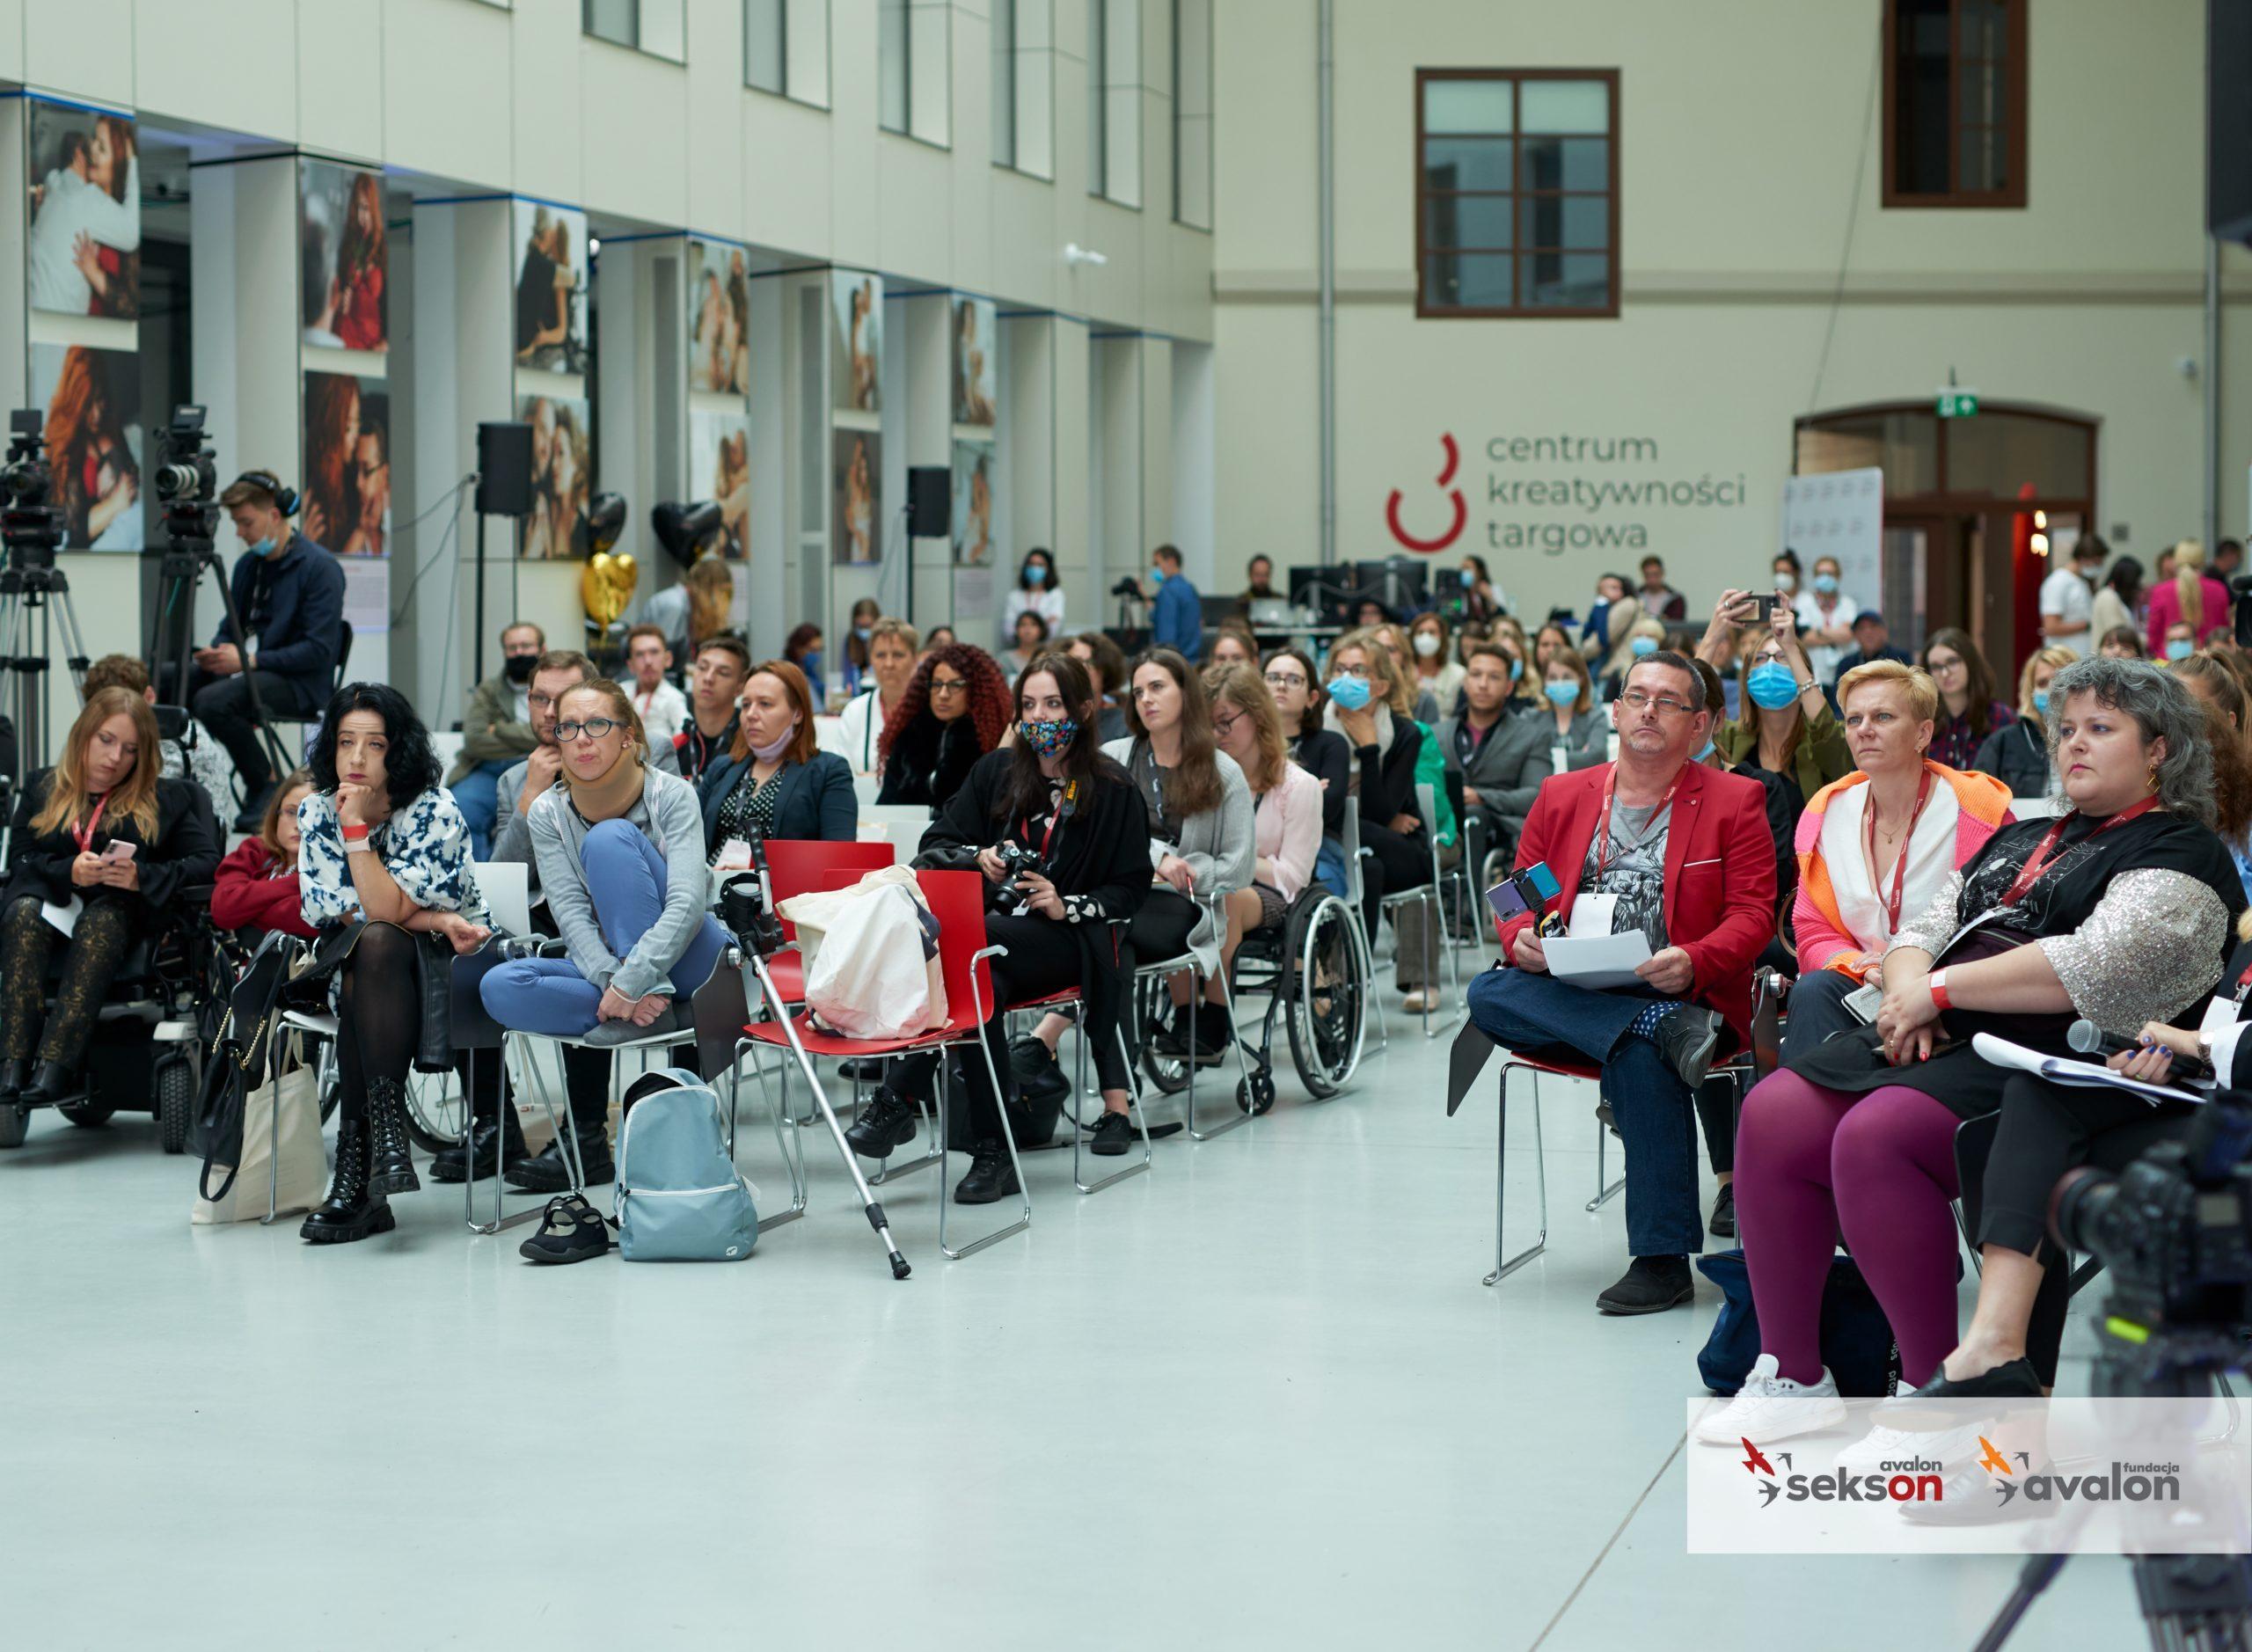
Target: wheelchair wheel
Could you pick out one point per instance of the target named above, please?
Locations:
(1329, 998)
(175, 1104)
(434, 1112)
(87, 1115)
(1152, 1014)
(15, 1124)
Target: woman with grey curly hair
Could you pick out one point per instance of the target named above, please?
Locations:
(2118, 911)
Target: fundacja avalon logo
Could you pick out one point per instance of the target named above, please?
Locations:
(2127, 1482)
(1429, 547)
(1910, 1480)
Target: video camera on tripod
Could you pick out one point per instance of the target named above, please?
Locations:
(32, 529)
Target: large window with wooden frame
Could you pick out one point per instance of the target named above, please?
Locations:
(1516, 192)
(1954, 103)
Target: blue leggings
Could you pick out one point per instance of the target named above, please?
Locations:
(625, 878)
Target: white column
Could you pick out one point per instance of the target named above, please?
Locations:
(925, 390)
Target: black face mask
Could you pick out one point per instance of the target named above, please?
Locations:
(518, 666)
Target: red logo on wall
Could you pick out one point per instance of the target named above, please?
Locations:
(1461, 511)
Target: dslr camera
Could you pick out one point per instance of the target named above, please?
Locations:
(1016, 859)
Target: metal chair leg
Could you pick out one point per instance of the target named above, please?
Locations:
(1079, 1137)
(1504, 1264)
(1234, 1043)
(1008, 1136)
(1604, 1194)
(792, 1165)
(567, 1137)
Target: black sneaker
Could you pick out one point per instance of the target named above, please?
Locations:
(2014, 1380)
(1723, 1223)
(1687, 1038)
(1171, 1040)
(992, 1176)
(570, 1230)
(886, 1122)
(1039, 1075)
(1653, 1284)
(1214, 1034)
(1113, 1135)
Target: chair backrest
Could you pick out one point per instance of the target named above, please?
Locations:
(1349, 840)
(902, 824)
(1427, 805)
(343, 654)
(507, 887)
(957, 900)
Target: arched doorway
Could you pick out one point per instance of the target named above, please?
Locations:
(1977, 510)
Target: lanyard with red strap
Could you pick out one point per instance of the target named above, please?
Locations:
(1899, 866)
(1065, 806)
(2047, 848)
(86, 834)
(1603, 821)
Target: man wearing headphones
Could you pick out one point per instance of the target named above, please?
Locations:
(290, 594)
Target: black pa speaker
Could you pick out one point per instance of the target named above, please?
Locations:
(929, 500)
(504, 468)
(2228, 120)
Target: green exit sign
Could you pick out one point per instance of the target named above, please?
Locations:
(1957, 404)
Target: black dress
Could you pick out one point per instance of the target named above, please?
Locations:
(2151, 954)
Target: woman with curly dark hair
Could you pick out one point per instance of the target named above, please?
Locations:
(955, 711)
(383, 856)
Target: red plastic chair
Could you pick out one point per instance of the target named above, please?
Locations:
(797, 866)
(957, 900)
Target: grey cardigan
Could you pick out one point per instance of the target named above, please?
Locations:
(668, 814)
(1221, 846)
(512, 832)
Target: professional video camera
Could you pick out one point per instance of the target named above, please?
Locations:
(1016, 859)
(27, 480)
(187, 472)
(32, 590)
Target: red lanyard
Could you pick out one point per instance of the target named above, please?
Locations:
(1899, 866)
(1603, 821)
(2047, 848)
(1062, 804)
(86, 834)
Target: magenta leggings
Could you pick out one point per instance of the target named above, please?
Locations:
(1810, 1163)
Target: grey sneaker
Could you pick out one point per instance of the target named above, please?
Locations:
(1687, 1038)
(606, 1033)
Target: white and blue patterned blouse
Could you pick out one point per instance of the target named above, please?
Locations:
(424, 846)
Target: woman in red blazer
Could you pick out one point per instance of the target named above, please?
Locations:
(257, 884)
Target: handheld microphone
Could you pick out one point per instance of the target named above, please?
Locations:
(2088, 1039)
(1527, 892)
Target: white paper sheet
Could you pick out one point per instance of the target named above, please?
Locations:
(2063, 1070)
(1598, 961)
(64, 918)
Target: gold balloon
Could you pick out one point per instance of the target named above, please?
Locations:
(607, 585)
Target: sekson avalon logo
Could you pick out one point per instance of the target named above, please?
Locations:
(1909, 1480)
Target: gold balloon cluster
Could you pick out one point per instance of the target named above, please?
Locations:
(607, 586)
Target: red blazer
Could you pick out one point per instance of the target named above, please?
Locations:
(1719, 874)
(248, 895)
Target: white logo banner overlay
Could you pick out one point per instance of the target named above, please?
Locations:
(2067, 1476)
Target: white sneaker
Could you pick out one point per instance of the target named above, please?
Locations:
(1884, 1444)
(1771, 1407)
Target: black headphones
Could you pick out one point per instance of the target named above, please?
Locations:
(285, 499)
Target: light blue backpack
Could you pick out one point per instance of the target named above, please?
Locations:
(680, 1197)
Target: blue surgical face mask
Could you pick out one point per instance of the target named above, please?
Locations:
(1517, 667)
(1826, 583)
(265, 547)
(1347, 693)
(864, 631)
(2041, 701)
(1562, 691)
(1773, 685)
(2180, 648)
(1034, 575)
(1643, 646)
(1706, 753)
(1157, 571)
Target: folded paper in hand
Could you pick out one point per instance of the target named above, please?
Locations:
(2064, 1069)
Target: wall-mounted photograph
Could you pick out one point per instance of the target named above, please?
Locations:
(550, 252)
(340, 240)
(856, 316)
(719, 468)
(973, 504)
(976, 367)
(857, 525)
(83, 254)
(561, 483)
(92, 399)
(347, 465)
(719, 317)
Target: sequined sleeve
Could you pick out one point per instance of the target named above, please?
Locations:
(1929, 929)
(2150, 950)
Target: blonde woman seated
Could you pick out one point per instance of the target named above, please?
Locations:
(1286, 806)
(1879, 843)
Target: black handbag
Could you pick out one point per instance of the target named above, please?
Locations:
(235, 1064)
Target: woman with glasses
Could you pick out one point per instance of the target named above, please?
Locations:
(1786, 726)
(1321, 752)
(953, 712)
(774, 780)
(1369, 705)
(1968, 710)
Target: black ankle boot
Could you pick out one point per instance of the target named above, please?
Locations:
(53, 1081)
(14, 1075)
(546, 1171)
(350, 1211)
(391, 1152)
(494, 1141)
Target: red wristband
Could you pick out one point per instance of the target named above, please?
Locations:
(354, 834)
(1939, 1000)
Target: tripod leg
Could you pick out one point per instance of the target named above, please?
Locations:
(73, 641)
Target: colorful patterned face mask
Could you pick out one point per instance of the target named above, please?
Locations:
(1045, 739)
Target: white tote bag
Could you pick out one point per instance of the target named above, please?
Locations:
(869, 972)
(293, 1136)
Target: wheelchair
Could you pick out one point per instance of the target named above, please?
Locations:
(150, 1033)
(1313, 974)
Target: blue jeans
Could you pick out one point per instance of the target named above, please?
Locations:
(625, 877)
(1329, 867)
(1818, 1009)
(1655, 1114)
(478, 794)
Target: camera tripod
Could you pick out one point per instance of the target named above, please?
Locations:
(171, 649)
(34, 604)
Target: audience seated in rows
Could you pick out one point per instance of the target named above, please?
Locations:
(714, 691)
(775, 780)
(1968, 710)
(1106, 666)
(1369, 706)
(893, 645)
(954, 710)
(657, 700)
(496, 734)
(2017, 753)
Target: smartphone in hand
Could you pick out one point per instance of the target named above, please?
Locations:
(1763, 607)
(118, 850)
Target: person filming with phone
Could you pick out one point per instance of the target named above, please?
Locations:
(1658, 843)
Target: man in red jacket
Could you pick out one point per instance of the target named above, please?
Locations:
(1682, 852)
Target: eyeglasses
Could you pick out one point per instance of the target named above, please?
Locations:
(1638, 700)
(594, 729)
(948, 685)
(1360, 672)
(1285, 679)
(1223, 727)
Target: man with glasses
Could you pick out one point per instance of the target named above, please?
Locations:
(1659, 843)
(714, 686)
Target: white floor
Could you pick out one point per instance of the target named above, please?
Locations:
(1257, 1398)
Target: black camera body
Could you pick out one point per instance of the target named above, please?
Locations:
(31, 524)
(1016, 859)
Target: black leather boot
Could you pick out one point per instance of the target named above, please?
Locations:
(546, 1171)
(493, 1141)
(14, 1075)
(53, 1081)
(350, 1211)
(391, 1152)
